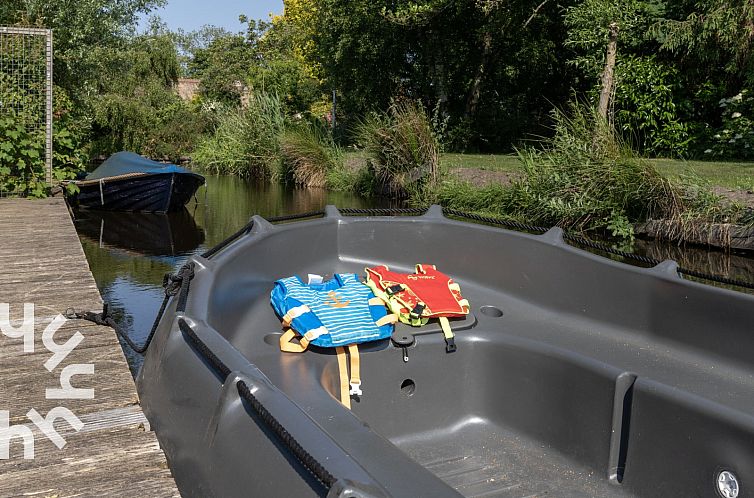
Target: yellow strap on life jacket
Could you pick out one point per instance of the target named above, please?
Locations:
(349, 385)
(345, 398)
(287, 344)
(353, 350)
(386, 320)
(450, 342)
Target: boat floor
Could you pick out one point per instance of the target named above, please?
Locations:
(479, 458)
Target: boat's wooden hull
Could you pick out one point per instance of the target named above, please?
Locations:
(159, 193)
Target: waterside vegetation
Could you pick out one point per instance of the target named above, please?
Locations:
(637, 80)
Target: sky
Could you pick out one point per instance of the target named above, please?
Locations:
(193, 14)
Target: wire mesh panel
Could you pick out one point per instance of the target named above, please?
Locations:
(26, 103)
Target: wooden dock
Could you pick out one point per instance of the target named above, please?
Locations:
(113, 453)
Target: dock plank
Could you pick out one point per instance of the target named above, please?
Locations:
(113, 453)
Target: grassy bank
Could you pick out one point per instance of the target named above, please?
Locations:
(738, 175)
(584, 178)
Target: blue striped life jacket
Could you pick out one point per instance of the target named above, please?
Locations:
(338, 312)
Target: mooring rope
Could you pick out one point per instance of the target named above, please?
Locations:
(177, 284)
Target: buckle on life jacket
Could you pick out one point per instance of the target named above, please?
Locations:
(416, 313)
(450, 345)
(395, 289)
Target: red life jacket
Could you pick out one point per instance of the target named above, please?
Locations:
(428, 286)
(416, 297)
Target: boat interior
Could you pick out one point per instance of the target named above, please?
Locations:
(574, 375)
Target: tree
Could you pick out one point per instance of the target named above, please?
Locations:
(80, 26)
(489, 68)
(646, 89)
(135, 106)
(716, 34)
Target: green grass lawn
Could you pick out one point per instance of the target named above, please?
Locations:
(492, 162)
(725, 174)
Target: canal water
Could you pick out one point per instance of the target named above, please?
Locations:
(129, 253)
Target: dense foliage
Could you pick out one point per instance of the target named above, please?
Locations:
(485, 74)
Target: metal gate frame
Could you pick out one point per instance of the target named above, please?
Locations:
(47, 33)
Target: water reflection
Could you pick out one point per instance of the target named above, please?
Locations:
(153, 234)
(729, 265)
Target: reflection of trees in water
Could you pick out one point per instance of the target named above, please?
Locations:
(108, 264)
(736, 266)
(231, 201)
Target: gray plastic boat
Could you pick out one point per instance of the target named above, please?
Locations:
(575, 375)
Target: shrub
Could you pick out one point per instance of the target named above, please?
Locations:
(21, 159)
(245, 142)
(735, 138)
(645, 108)
(403, 149)
(586, 178)
(310, 157)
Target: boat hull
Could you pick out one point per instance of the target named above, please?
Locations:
(158, 192)
(575, 375)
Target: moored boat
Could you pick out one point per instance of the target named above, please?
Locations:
(129, 182)
(574, 375)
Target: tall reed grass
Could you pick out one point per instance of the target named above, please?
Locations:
(403, 149)
(245, 142)
(587, 178)
(310, 157)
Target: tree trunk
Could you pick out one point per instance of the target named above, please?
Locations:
(608, 75)
(476, 85)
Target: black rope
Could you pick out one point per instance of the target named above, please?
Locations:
(382, 211)
(184, 277)
(247, 228)
(310, 463)
(174, 284)
(300, 216)
(219, 247)
(610, 250)
(722, 280)
(209, 355)
(515, 225)
(307, 460)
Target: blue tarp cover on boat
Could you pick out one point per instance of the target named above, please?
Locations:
(122, 163)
